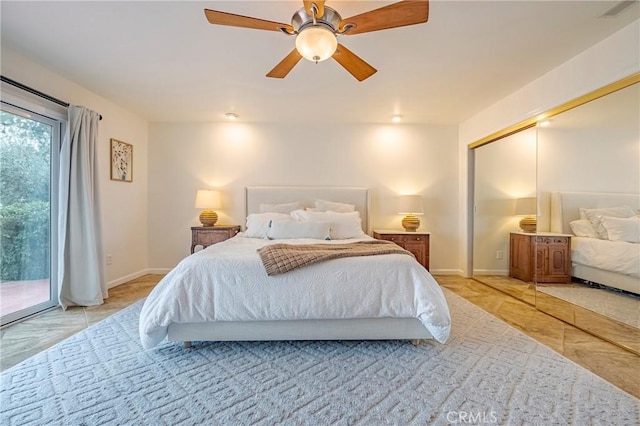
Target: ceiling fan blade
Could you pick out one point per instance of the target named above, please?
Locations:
(353, 63)
(224, 18)
(319, 3)
(282, 69)
(394, 15)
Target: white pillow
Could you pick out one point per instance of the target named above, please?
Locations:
(622, 228)
(284, 208)
(343, 225)
(583, 228)
(593, 215)
(281, 229)
(323, 206)
(258, 223)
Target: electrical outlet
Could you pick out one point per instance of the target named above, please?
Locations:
(499, 254)
(109, 259)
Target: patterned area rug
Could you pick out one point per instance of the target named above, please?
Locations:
(487, 373)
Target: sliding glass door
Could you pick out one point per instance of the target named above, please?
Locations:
(29, 146)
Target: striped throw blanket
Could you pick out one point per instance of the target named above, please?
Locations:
(281, 258)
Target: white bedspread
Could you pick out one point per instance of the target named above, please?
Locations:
(616, 256)
(227, 282)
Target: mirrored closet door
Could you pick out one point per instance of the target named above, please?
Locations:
(589, 161)
(504, 177)
(585, 155)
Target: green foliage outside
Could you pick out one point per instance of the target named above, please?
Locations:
(24, 235)
(24, 198)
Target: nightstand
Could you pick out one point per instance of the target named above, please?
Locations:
(415, 242)
(207, 235)
(543, 257)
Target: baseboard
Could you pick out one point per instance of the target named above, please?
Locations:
(133, 276)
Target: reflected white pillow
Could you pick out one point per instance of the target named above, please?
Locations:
(281, 229)
(622, 228)
(284, 208)
(343, 225)
(258, 223)
(323, 206)
(583, 228)
(593, 215)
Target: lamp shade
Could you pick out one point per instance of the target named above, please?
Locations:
(207, 199)
(410, 204)
(526, 206)
(316, 43)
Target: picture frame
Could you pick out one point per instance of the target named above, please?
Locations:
(121, 161)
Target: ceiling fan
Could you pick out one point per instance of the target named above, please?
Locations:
(316, 27)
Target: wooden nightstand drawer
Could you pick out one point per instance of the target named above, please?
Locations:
(540, 258)
(416, 243)
(552, 240)
(208, 235)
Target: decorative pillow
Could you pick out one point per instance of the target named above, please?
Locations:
(343, 225)
(622, 228)
(583, 228)
(258, 223)
(593, 215)
(281, 229)
(284, 208)
(323, 206)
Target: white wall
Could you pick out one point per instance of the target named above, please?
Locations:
(124, 205)
(388, 159)
(614, 58)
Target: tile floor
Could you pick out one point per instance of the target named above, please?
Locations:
(618, 366)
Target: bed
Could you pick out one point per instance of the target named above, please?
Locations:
(222, 293)
(614, 264)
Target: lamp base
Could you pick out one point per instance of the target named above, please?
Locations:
(528, 225)
(410, 223)
(208, 217)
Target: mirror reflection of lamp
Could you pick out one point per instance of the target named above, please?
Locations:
(527, 207)
(411, 206)
(208, 199)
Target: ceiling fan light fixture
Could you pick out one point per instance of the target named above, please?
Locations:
(316, 43)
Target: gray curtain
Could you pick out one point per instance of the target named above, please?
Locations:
(81, 275)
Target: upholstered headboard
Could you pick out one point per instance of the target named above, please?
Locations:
(307, 195)
(565, 206)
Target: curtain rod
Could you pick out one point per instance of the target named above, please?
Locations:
(36, 92)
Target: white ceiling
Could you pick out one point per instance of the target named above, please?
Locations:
(165, 62)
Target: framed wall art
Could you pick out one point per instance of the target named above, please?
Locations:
(121, 161)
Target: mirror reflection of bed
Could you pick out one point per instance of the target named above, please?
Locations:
(593, 148)
(589, 157)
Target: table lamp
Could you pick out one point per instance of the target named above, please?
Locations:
(527, 207)
(208, 200)
(411, 206)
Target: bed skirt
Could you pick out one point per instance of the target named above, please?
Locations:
(333, 329)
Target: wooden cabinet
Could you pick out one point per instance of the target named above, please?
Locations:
(542, 257)
(207, 235)
(415, 242)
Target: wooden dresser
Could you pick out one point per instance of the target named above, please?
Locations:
(415, 242)
(543, 257)
(207, 235)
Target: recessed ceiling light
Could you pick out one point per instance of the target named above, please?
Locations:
(396, 118)
(232, 116)
(544, 123)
